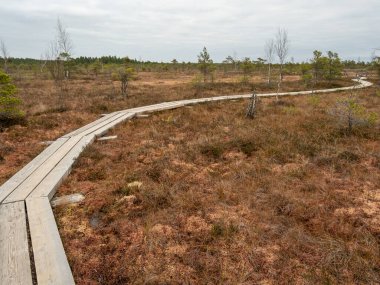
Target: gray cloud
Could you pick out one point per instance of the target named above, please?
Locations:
(166, 29)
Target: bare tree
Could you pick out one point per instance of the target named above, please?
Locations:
(65, 45)
(42, 63)
(4, 54)
(282, 50)
(63, 37)
(269, 54)
(57, 56)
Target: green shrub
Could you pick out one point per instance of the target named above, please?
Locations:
(314, 100)
(351, 112)
(307, 78)
(9, 104)
(212, 150)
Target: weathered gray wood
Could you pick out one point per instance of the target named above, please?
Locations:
(142, 116)
(158, 107)
(92, 124)
(14, 249)
(107, 138)
(48, 186)
(155, 107)
(9, 186)
(27, 186)
(50, 259)
(110, 122)
(67, 199)
(167, 107)
(101, 131)
(45, 182)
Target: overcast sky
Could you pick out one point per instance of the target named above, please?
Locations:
(165, 29)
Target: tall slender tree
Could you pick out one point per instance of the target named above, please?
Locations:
(282, 50)
(269, 54)
(58, 56)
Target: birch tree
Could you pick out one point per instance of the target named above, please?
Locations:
(57, 56)
(282, 50)
(269, 54)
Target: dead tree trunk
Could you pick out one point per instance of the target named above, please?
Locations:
(124, 86)
(251, 110)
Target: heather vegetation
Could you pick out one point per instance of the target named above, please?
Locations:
(203, 195)
(285, 191)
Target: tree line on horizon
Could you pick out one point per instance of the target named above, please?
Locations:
(58, 62)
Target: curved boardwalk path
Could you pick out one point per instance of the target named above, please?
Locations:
(29, 238)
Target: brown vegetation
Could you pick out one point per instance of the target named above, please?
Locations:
(286, 198)
(87, 97)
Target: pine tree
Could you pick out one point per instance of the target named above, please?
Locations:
(9, 103)
(205, 64)
(333, 67)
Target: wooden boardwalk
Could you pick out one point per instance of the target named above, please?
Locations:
(29, 237)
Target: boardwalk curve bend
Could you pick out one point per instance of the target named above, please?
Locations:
(30, 244)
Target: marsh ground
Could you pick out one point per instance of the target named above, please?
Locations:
(88, 96)
(203, 195)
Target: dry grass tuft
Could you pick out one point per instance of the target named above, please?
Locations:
(281, 199)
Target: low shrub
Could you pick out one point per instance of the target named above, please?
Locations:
(10, 112)
(212, 150)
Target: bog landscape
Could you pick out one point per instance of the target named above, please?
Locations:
(246, 170)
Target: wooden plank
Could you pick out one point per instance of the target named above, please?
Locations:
(48, 186)
(153, 107)
(168, 107)
(101, 131)
(50, 181)
(107, 138)
(50, 259)
(14, 249)
(27, 186)
(92, 124)
(67, 200)
(9, 186)
(109, 122)
(143, 116)
(158, 108)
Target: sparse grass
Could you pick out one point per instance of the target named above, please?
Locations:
(86, 98)
(287, 198)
